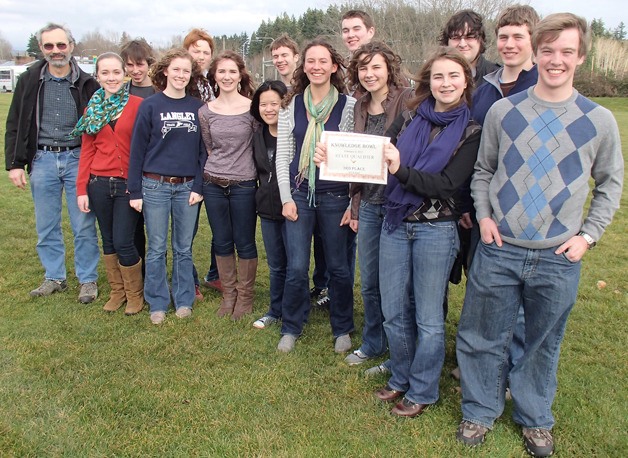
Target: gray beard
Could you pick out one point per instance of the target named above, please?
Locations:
(59, 63)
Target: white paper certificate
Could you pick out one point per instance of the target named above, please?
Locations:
(354, 158)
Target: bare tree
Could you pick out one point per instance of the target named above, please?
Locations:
(6, 50)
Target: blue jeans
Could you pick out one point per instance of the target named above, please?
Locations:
(50, 175)
(327, 212)
(165, 205)
(117, 221)
(273, 235)
(416, 256)
(502, 281)
(232, 217)
(373, 335)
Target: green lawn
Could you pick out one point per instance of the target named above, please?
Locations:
(75, 381)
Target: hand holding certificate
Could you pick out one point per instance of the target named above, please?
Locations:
(354, 158)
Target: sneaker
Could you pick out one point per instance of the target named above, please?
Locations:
(49, 287)
(286, 343)
(157, 317)
(197, 293)
(314, 292)
(323, 299)
(471, 434)
(183, 312)
(376, 370)
(343, 344)
(88, 292)
(264, 322)
(357, 357)
(213, 284)
(538, 442)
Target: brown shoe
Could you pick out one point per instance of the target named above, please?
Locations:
(117, 296)
(134, 288)
(229, 279)
(388, 394)
(407, 408)
(247, 270)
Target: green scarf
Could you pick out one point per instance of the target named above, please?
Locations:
(318, 114)
(100, 111)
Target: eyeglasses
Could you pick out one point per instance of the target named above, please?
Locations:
(60, 46)
(468, 37)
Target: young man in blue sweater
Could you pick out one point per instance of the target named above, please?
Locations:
(539, 149)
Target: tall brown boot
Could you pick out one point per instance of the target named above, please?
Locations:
(247, 270)
(117, 297)
(228, 278)
(134, 287)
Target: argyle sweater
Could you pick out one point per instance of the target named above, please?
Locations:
(534, 164)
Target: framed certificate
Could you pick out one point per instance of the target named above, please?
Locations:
(354, 157)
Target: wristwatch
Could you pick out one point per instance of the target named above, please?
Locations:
(588, 238)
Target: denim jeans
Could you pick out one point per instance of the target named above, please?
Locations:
(502, 281)
(212, 274)
(166, 205)
(273, 235)
(373, 335)
(416, 256)
(109, 200)
(320, 277)
(232, 217)
(327, 212)
(50, 175)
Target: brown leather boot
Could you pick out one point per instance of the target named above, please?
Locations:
(117, 296)
(228, 278)
(134, 287)
(247, 270)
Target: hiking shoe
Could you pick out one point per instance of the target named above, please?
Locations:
(88, 292)
(157, 317)
(197, 293)
(49, 287)
(538, 441)
(357, 357)
(286, 343)
(471, 434)
(376, 370)
(343, 344)
(264, 322)
(183, 312)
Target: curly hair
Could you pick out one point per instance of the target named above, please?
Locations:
(363, 56)
(160, 80)
(246, 88)
(301, 80)
(423, 90)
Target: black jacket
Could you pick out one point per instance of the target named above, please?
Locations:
(20, 141)
(267, 197)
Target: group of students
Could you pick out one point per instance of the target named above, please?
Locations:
(208, 135)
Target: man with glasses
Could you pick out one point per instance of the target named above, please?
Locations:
(49, 99)
(465, 32)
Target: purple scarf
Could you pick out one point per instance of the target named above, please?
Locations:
(416, 151)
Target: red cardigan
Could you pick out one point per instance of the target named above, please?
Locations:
(107, 153)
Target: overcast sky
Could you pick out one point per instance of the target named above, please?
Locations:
(158, 21)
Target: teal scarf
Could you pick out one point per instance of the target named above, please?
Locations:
(100, 111)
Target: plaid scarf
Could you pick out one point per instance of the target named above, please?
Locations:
(318, 114)
(100, 111)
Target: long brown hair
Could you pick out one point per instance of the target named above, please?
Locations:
(160, 80)
(301, 81)
(246, 81)
(423, 91)
(363, 56)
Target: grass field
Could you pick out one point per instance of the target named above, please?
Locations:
(75, 381)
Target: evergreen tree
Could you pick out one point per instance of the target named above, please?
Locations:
(33, 47)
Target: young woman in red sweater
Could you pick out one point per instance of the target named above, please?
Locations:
(101, 184)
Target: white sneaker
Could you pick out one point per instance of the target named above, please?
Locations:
(157, 317)
(357, 357)
(184, 312)
(376, 370)
(286, 343)
(264, 322)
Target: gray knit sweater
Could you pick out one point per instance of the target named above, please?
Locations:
(534, 164)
